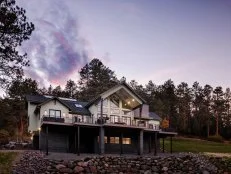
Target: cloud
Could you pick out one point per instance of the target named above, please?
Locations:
(56, 50)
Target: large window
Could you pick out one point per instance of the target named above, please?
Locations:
(114, 140)
(126, 140)
(55, 113)
(114, 103)
(114, 119)
(127, 120)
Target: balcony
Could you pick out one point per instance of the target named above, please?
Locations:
(47, 118)
(123, 121)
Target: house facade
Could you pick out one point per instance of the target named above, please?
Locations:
(116, 121)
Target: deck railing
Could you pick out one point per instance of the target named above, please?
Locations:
(112, 119)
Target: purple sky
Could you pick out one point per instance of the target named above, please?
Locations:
(183, 40)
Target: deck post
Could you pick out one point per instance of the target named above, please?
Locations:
(101, 112)
(78, 140)
(155, 139)
(150, 143)
(75, 151)
(171, 144)
(163, 145)
(101, 140)
(121, 143)
(47, 140)
(141, 142)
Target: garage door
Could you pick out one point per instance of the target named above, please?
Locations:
(58, 142)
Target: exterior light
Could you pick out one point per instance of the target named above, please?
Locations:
(39, 129)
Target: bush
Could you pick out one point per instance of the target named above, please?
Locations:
(216, 138)
(4, 136)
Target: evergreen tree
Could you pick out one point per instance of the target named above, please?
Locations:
(70, 89)
(14, 29)
(95, 78)
(218, 105)
(184, 97)
(207, 102)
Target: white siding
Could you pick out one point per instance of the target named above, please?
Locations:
(93, 110)
(56, 105)
(33, 118)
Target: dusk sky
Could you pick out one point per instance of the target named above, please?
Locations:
(182, 40)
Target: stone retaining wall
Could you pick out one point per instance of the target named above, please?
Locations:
(35, 162)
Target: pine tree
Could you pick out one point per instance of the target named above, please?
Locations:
(14, 29)
(218, 105)
(95, 78)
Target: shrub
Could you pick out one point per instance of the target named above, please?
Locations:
(4, 135)
(215, 138)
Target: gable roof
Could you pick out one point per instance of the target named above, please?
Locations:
(154, 116)
(69, 103)
(116, 86)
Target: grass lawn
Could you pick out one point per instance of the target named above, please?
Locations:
(6, 159)
(192, 145)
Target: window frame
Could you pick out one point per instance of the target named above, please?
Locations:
(55, 116)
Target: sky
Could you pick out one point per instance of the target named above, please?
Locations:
(182, 40)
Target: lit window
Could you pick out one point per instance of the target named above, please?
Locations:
(126, 140)
(114, 140)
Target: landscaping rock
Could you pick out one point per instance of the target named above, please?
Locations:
(60, 166)
(78, 169)
(36, 163)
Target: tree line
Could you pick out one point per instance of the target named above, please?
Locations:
(197, 110)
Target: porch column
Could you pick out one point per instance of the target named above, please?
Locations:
(121, 143)
(78, 140)
(101, 140)
(163, 145)
(141, 142)
(47, 140)
(170, 144)
(155, 139)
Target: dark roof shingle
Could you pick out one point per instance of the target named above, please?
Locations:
(70, 103)
(154, 116)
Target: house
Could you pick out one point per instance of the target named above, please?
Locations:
(116, 121)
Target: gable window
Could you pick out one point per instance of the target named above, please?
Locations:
(55, 113)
